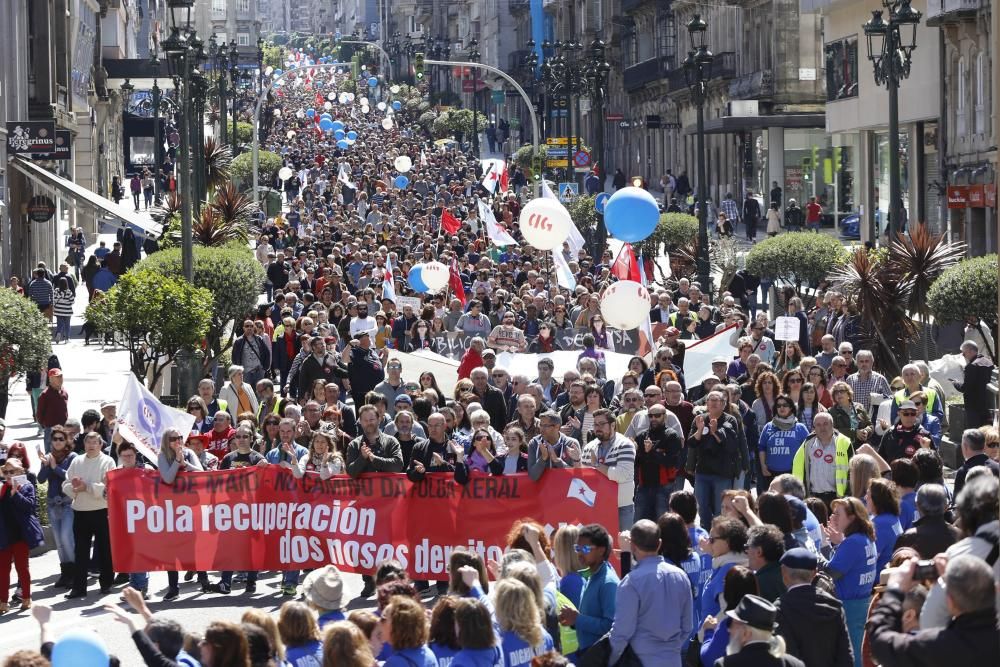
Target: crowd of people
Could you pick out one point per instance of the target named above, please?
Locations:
(787, 508)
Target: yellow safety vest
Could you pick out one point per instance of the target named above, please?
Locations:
(842, 459)
(902, 395)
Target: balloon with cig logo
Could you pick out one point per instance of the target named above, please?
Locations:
(435, 275)
(545, 223)
(625, 304)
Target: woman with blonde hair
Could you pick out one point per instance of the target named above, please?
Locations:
(521, 633)
(345, 645)
(861, 471)
(266, 622)
(568, 562)
(300, 634)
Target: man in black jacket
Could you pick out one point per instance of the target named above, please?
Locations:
(365, 366)
(751, 633)
(490, 398)
(811, 621)
(657, 465)
(974, 453)
(252, 353)
(319, 365)
(931, 534)
(971, 638)
(975, 379)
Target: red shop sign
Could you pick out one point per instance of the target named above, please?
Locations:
(958, 196)
(976, 196)
(990, 195)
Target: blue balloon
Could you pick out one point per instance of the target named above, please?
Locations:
(339, 134)
(278, 72)
(631, 214)
(401, 181)
(325, 126)
(396, 106)
(311, 113)
(343, 145)
(372, 82)
(79, 648)
(352, 135)
(338, 125)
(416, 280)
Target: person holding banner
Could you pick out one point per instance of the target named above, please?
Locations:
(85, 484)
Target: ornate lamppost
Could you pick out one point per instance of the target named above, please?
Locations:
(698, 72)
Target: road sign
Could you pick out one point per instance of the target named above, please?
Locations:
(41, 209)
(600, 201)
(557, 152)
(568, 190)
(624, 124)
(498, 97)
(556, 163)
(614, 116)
(561, 141)
(581, 158)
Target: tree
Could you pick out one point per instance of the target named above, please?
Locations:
(441, 127)
(795, 257)
(426, 119)
(25, 341)
(234, 277)
(522, 156)
(967, 289)
(460, 122)
(676, 235)
(159, 316)
(268, 164)
(244, 132)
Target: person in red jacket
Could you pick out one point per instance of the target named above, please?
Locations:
(53, 407)
(473, 358)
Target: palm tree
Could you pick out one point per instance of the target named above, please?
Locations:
(218, 159)
(232, 206)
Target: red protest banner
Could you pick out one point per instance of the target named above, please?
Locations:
(265, 519)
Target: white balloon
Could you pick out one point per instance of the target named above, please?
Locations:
(403, 163)
(625, 304)
(545, 223)
(350, 97)
(363, 101)
(268, 70)
(331, 96)
(291, 134)
(380, 106)
(365, 109)
(300, 114)
(277, 113)
(435, 275)
(343, 98)
(364, 68)
(386, 123)
(327, 106)
(285, 173)
(394, 89)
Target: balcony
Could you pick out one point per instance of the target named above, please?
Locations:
(646, 72)
(518, 6)
(632, 5)
(753, 86)
(723, 68)
(951, 11)
(515, 60)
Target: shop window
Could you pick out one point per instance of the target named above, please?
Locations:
(842, 69)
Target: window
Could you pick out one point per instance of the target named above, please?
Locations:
(243, 6)
(842, 69)
(980, 108)
(219, 7)
(243, 39)
(961, 90)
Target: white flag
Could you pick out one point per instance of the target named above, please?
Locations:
(493, 171)
(494, 231)
(343, 178)
(142, 419)
(580, 490)
(563, 273)
(699, 354)
(423, 158)
(388, 283)
(575, 239)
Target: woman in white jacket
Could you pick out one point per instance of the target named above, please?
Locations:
(86, 478)
(238, 395)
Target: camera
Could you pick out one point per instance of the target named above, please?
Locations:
(925, 570)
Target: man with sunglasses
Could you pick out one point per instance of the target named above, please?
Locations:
(551, 449)
(906, 436)
(763, 346)
(613, 455)
(595, 614)
(657, 465)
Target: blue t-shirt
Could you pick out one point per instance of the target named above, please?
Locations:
(699, 573)
(714, 646)
(779, 446)
(571, 585)
(306, 655)
(330, 617)
(696, 533)
(515, 652)
(887, 529)
(443, 653)
(855, 560)
(908, 510)
(710, 594)
(478, 657)
(421, 656)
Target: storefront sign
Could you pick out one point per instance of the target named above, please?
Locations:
(64, 146)
(958, 196)
(34, 136)
(990, 195)
(41, 209)
(976, 196)
(265, 519)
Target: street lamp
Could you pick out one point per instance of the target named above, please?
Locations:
(890, 49)
(234, 74)
(219, 63)
(474, 58)
(157, 137)
(598, 71)
(260, 64)
(698, 72)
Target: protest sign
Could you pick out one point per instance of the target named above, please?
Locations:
(265, 519)
(454, 344)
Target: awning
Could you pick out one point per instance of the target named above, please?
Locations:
(735, 124)
(120, 216)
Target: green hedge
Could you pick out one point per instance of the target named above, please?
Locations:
(967, 289)
(796, 257)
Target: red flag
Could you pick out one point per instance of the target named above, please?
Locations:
(504, 178)
(455, 281)
(626, 267)
(450, 223)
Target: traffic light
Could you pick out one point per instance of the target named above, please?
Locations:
(815, 157)
(418, 66)
(537, 164)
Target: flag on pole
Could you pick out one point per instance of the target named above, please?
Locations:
(494, 173)
(142, 419)
(343, 178)
(625, 266)
(455, 281)
(575, 239)
(497, 234)
(423, 158)
(564, 275)
(449, 222)
(388, 283)
(646, 329)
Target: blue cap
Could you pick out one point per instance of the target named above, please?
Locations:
(799, 558)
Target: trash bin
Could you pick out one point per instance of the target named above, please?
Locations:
(272, 202)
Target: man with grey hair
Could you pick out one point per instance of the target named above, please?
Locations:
(930, 534)
(975, 380)
(974, 453)
(970, 638)
(866, 381)
(490, 398)
(552, 449)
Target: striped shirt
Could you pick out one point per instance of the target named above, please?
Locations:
(619, 455)
(729, 207)
(864, 388)
(40, 291)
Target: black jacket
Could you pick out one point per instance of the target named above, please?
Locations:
(969, 639)
(813, 626)
(930, 536)
(758, 655)
(715, 457)
(978, 400)
(422, 451)
(496, 406)
(970, 463)
(260, 346)
(660, 465)
(311, 370)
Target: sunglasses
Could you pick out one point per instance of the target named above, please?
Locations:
(174, 438)
(482, 437)
(584, 549)
(55, 439)
(908, 413)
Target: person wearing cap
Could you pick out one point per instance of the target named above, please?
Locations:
(654, 607)
(752, 641)
(319, 364)
(323, 591)
(53, 406)
(365, 366)
(810, 620)
(906, 436)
